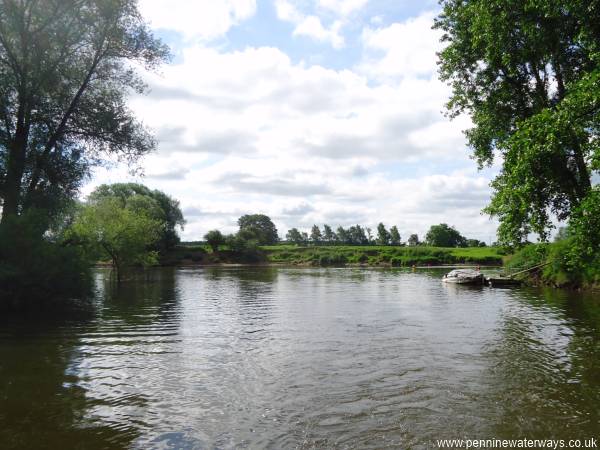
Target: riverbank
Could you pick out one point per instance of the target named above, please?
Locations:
(557, 271)
(336, 256)
(559, 264)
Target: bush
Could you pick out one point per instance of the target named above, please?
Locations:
(569, 266)
(528, 256)
(332, 260)
(396, 261)
(34, 269)
(362, 258)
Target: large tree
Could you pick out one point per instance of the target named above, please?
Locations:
(214, 239)
(342, 235)
(261, 225)
(443, 235)
(66, 68)
(413, 240)
(294, 236)
(159, 205)
(328, 234)
(316, 236)
(395, 236)
(120, 232)
(528, 74)
(383, 235)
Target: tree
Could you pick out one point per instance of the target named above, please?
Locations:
(125, 235)
(413, 240)
(66, 67)
(155, 203)
(304, 237)
(444, 236)
(294, 236)
(342, 236)
(315, 235)
(261, 225)
(357, 236)
(475, 243)
(244, 242)
(528, 74)
(214, 239)
(328, 234)
(369, 232)
(394, 236)
(383, 236)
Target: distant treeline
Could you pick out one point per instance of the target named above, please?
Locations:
(258, 229)
(440, 235)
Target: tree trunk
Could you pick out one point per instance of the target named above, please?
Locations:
(118, 269)
(14, 178)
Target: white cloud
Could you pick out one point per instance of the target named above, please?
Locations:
(287, 11)
(251, 131)
(202, 19)
(406, 49)
(343, 7)
(310, 25)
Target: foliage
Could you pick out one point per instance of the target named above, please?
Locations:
(295, 237)
(109, 229)
(315, 235)
(413, 240)
(575, 259)
(214, 239)
(395, 236)
(565, 264)
(153, 203)
(183, 254)
(383, 236)
(339, 255)
(356, 236)
(66, 67)
(527, 256)
(34, 268)
(528, 74)
(585, 225)
(261, 226)
(475, 243)
(342, 235)
(443, 235)
(328, 235)
(245, 245)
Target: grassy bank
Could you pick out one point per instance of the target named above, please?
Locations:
(561, 265)
(325, 256)
(381, 255)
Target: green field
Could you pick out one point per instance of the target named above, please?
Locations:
(336, 255)
(381, 255)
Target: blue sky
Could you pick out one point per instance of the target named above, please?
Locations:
(310, 111)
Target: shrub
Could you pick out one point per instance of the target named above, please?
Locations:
(332, 260)
(528, 256)
(34, 269)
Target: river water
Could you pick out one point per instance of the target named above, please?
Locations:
(301, 358)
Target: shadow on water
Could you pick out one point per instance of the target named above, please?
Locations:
(148, 296)
(45, 399)
(41, 405)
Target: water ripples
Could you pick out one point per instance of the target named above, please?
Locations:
(320, 358)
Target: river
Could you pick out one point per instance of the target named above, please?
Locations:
(301, 358)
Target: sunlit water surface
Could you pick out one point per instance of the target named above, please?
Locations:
(301, 358)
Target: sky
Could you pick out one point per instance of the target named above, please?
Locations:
(309, 111)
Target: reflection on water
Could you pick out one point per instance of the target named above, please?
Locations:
(308, 358)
